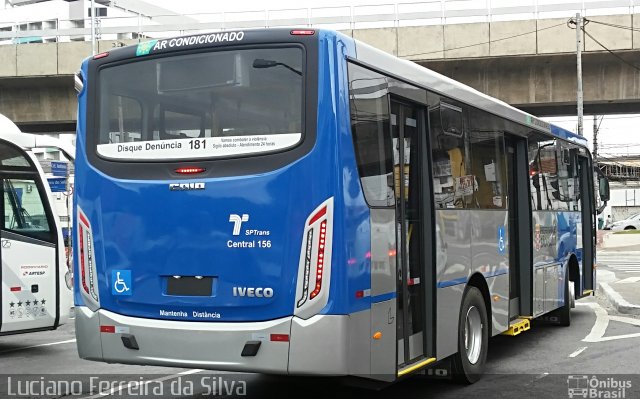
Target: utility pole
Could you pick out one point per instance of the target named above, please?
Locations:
(595, 140)
(579, 71)
(93, 27)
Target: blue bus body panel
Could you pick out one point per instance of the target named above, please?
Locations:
(143, 228)
(352, 234)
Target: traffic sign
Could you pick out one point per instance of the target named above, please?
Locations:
(57, 184)
(59, 168)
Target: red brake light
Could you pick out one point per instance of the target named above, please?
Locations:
(303, 32)
(318, 215)
(108, 329)
(101, 55)
(16, 289)
(190, 171)
(320, 262)
(280, 337)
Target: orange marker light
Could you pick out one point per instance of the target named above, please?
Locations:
(377, 335)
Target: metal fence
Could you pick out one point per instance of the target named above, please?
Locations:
(430, 12)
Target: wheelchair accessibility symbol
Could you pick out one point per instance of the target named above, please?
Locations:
(502, 244)
(121, 282)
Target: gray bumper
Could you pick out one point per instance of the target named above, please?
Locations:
(317, 346)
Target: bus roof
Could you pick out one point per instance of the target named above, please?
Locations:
(424, 77)
(12, 133)
(402, 69)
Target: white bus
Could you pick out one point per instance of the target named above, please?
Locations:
(36, 281)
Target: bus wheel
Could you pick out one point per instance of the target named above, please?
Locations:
(473, 338)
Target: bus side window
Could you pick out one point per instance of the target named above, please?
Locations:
(543, 171)
(488, 159)
(125, 120)
(453, 186)
(370, 127)
(24, 211)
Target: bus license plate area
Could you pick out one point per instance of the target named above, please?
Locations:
(189, 285)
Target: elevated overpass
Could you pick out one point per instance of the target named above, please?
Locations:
(527, 63)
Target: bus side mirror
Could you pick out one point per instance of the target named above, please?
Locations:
(603, 184)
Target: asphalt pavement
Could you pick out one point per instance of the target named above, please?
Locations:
(618, 261)
(595, 356)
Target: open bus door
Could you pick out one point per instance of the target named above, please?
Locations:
(414, 215)
(588, 214)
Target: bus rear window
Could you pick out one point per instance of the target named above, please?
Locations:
(199, 106)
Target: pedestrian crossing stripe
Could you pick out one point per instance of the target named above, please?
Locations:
(628, 280)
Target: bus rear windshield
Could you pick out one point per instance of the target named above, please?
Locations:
(206, 105)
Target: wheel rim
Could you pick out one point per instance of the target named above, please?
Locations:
(473, 334)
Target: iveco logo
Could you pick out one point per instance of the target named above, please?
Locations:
(186, 186)
(258, 292)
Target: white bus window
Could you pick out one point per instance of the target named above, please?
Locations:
(125, 119)
(24, 211)
(488, 160)
(453, 185)
(10, 156)
(198, 106)
(369, 108)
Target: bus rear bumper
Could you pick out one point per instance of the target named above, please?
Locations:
(210, 345)
(315, 346)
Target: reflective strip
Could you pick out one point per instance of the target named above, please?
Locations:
(415, 366)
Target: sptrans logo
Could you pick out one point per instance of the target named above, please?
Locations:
(237, 222)
(583, 386)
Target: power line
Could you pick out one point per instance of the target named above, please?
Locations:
(609, 51)
(609, 117)
(616, 26)
(480, 44)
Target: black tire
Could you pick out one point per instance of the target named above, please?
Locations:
(562, 316)
(466, 370)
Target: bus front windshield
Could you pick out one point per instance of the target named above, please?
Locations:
(201, 106)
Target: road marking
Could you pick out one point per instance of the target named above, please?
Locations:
(40, 345)
(602, 322)
(577, 352)
(135, 383)
(628, 280)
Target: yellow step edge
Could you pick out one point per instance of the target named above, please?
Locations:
(518, 326)
(415, 366)
(587, 292)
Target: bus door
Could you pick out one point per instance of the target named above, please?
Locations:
(587, 208)
(519, 208)
(28, 252)
(414, 234)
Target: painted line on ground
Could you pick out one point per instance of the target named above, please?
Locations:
(38, 346)
(577, 352)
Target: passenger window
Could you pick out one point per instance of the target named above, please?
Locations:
(125, 119)
(24, 211)
(369, 107)
(543, 170)
(488, 169)
(453, 185)
(10, 156)
(177, 124)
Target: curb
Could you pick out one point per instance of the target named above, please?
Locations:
(618, 301)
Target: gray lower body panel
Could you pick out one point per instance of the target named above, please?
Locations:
(317, 346)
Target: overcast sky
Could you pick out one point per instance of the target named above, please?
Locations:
(619, 134)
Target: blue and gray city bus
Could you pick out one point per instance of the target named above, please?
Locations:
(297, 202)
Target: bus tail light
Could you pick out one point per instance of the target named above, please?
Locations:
(314, 268)
(86, 262)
